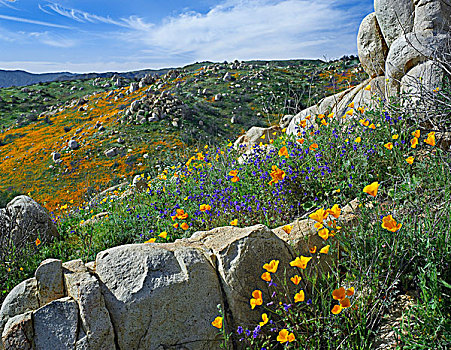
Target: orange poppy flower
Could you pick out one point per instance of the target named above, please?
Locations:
(313, 146)
(283, 152)
(217, 322)
(300, 262)
(414, 142)
(295, 279)
(336, 309)
(313, 250)
(430, 139)
(390, 224)
(299, 297)
(371, 189)
(266, 276)
(339, 294)
(272, 266)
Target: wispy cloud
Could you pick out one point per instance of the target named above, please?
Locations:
(32, 21)
(53, 39)
(8, 3)
(79, 15)
(252, 29)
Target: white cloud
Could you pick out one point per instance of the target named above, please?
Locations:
(32, 21)
(53, 39)
(80, 16)
(247, 29)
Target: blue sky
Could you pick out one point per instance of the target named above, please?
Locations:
(100, 35)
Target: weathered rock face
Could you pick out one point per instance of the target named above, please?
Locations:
(432, 16)
(395, 18)
(408, 51)
(95, 319)
(56, 325)
(371, 46)
(29, 220)
(154, 297)
(240, 254)
(257, 135)
(146, 296)
(23, 298)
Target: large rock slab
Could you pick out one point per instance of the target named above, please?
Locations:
(256, 136)
(18, 333)
(371, 46)
(395, 18)
(85, 290)
(408, 51)
(29, 221)
(49, 277)
(160, 295)
(432, 16)
(21, 299)
(56, 325)
(241, 254)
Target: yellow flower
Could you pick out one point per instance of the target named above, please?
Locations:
(303, 123)
(336, 309)
(272, 266)
(410, 160)
(217, 322)
(368, 88)
(372, 189)
(299, 297)
(176, 225)
(301, 141)
(331, 115)
(335, 211)
(63, 207)
(390, 224)
(263, 137)
(152, 240)
(266, 276)
(351, 105)
(233, 173)
(395, 137)
(312, 250)
(416, 134)
(234, 222)
(163, 234)
(358, 140)
(414, 142)
(283, 152)
(372, 126)
(285, 336)
(323, 122)
(389, 146)
(265, 320)
(184, 226)
(37, 242)
(361, 110)
(295, 279)
(350, 292)
(325, 250)
(319, 215)
(287, 229)
(313, 146)
(350, 112)
(300, 262)
(430, 139)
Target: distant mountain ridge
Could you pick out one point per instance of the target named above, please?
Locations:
(10, 78)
